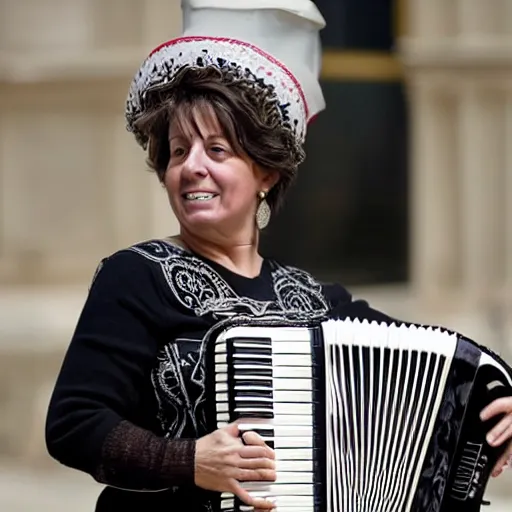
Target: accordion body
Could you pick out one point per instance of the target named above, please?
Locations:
(363, 417)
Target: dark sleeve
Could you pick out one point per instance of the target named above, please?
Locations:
(97, 390)
(343, 306)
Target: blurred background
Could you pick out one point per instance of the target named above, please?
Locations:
(406, 195)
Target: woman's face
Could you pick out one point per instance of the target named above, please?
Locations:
(212, 191)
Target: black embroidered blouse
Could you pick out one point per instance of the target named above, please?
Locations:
(127, 405)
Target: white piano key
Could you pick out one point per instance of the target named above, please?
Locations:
(279, 409)
(294, 465)
(282, 479)
(223, 417)
(295, 454)
(277, 397)
(293, 508)
(222, 407)
(221, 386)
(284, 420)
(277, 384)
(275, 361)
(289, 431)
(285, 360)
(253, 398)
(264, 490)
(227, 503)
(290, 502)
(293, 396)
(277, 371)
(290, 442)
(291, 372)
(220, 347)
(291, 347)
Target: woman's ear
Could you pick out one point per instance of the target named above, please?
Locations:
(270, 178)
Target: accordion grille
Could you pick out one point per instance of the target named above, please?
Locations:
(384, 385)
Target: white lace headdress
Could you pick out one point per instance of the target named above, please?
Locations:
(275, 43)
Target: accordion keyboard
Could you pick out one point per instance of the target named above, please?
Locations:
(264, 381)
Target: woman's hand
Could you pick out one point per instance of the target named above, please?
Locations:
(222, 461)
(502, 431)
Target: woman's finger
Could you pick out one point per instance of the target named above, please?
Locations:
(498, 406)
(501, 432)
(257, 452)
(253, 438)
(256, 475)
(504, 462)
(257, 503)
(257, 463)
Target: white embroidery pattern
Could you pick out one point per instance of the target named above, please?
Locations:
(199, 288)
(176, 409)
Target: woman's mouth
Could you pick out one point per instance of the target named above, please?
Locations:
(199, 196)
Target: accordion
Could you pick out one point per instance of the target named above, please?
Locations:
(363, 416)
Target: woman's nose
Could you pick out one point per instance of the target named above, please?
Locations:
(195, 164)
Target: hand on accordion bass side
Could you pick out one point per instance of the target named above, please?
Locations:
(502, 432)
(223, 460)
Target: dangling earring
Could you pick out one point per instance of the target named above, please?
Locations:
(263, 212)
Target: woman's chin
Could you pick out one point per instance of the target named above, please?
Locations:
(201, 220)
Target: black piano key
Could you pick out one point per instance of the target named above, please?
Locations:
(254, 404)
(246, 361)
(262, 432)
(251, 341)
(238, 415)
(262, 371)
(259, 382)
(254, 393)
(252, 351)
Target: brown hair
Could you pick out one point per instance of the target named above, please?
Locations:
(247, 113)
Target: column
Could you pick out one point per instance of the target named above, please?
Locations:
(480, 18)
(434, 251)
(482, 150)
(506, 347)
(432, 19)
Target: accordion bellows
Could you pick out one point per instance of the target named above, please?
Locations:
(364, 417)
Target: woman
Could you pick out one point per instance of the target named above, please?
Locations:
(224, 124)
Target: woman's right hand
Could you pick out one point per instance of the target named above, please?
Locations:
(222, 461)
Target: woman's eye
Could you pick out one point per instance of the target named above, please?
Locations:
(178, 152)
